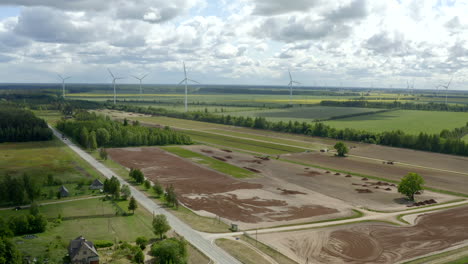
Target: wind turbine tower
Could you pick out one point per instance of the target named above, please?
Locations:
(140, 79)
(113, 82)
(186, 80)
(446, 89)
(290, 84)
(63, 83)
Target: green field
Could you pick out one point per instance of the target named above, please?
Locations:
(41, 158)
(215, 164)
(410, 121)
(304, 114)
(94, 219)
(465, 138)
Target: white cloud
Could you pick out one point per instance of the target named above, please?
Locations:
(249, 41)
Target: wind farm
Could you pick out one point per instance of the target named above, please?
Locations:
(229, 132)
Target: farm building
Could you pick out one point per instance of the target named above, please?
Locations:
(64, 191)
(82, 251)
(96, 185)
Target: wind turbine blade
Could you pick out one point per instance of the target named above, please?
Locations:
(181, 82)
(67, 78)
(110, 73)
(135, 77)
(60, 76)
(193, 81)
(296, 82)
(185, 72)
(144, 76)
(290, 77)
(449, 82)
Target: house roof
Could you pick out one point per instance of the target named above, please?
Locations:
(63, 189)
(97, 182)
(78, 243)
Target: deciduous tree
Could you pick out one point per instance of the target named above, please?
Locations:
(410, 184)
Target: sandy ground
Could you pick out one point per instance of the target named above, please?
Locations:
(373, 242)
(353, 190)
(436, 179)
(251, 203)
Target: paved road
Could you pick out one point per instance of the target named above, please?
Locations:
(195, 238)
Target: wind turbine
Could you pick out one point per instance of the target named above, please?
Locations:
(290, 84)
(140, 79)
(446, 89)
(186, 80)
(63, 83)
(113, 82)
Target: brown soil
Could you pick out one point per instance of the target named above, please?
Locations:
(286, 191)
(203, 189)
(310, 173)
(252, 169)
(363, 191)
(207, 151)
(219, 158)
(375, 243)
(437, 179)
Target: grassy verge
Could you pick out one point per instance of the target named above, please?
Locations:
(274, 254)
(373, 177)
(441, 256)
(241, 252)
(215, 164)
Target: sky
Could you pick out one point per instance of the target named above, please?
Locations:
(334, 43)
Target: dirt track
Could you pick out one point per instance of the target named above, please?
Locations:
(252, 203)
(374, 243)
(436, 179)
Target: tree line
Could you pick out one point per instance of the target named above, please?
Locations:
(398, 138)
(19, 125)
(92, 131)
(397, 105)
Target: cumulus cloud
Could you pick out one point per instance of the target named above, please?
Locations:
(275, 7)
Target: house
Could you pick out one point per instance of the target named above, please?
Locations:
(82, 251)
(64, 191)
(96, 185)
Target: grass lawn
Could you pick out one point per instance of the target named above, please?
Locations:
(303, 114)
(215, 164)
(410, 121)
(241, 252)
(50, 116)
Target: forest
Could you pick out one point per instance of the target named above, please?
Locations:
(19, 125)
(448, 142)
(93, 131)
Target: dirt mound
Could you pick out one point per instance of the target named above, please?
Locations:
(228, 157)
(310, 173)
(252, 170)
(348, 176)
(286, 191)
(337, 173)
(262, 158)
(327, 172)
(426, 202)
(364, 179)
(388, 189)
(219, 158)
(226, 150)
(207, 151)
(363, 191)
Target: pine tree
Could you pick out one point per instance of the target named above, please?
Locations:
(132, 205)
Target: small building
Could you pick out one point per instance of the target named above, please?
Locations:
(82, 251)
(64, 191)
(96, 185)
